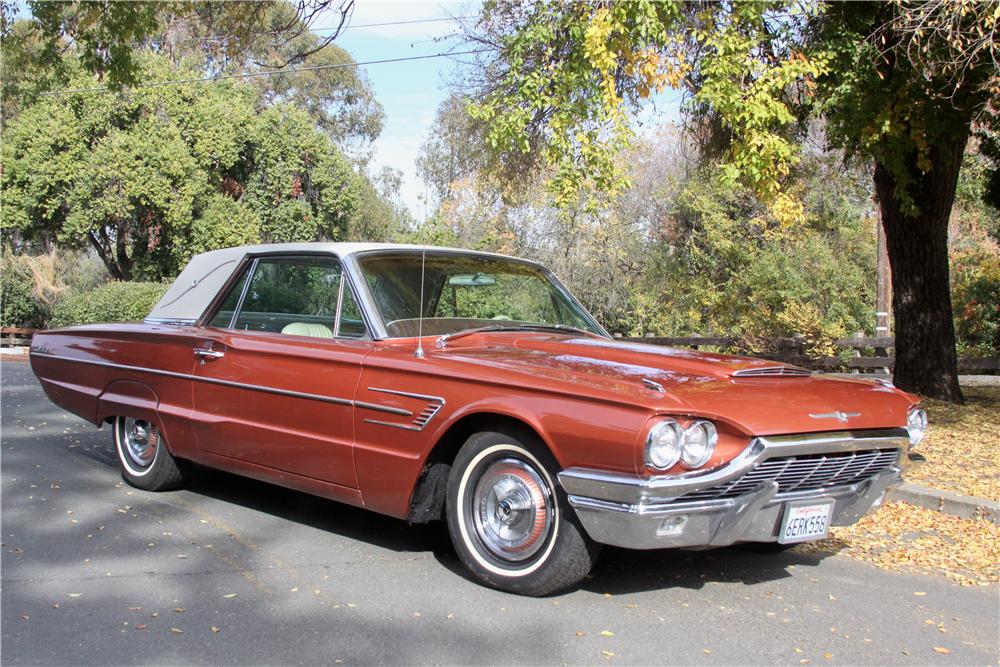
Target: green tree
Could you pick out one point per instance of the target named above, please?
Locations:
(328, 86)
(150, 176)
(109, 35)
(901, 82)
(273, 36)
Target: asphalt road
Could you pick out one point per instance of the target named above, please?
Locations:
(231, 571)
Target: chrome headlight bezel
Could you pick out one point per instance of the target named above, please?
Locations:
(663, 437)
(916, 425)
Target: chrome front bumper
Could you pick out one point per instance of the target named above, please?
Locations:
(648, 513)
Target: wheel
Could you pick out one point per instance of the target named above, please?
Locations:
(142, 452)
(510, 524)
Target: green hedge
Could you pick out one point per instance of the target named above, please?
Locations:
(18, 305)
(113, 302)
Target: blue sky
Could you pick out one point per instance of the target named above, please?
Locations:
(410, 92)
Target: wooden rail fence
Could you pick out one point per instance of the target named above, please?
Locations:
(16, 336)
(865, 354)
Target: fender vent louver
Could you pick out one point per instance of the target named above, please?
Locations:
(772, 371)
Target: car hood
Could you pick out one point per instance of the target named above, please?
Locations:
(715, 386)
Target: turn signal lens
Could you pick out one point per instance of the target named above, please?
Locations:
(699, 444)
(916, 426)
(663, 445)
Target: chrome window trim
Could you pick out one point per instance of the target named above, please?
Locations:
(363, 297)
(243, 294)
(630, 488)
(340, 301)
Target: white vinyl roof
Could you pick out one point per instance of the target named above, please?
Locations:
(205, 274)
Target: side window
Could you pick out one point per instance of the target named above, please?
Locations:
(224, 315)
(292, 295)
(295, 296)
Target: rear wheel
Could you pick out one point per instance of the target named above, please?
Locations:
(509, 522)
(145, 460)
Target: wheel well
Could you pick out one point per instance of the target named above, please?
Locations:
(427, 501)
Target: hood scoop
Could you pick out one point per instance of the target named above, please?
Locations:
(772, 371)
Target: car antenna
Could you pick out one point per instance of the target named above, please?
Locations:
(419, 354)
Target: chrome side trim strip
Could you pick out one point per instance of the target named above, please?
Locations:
(225, 383)
(423, 397)
(382, 408)
(435, 403)
(407, 427)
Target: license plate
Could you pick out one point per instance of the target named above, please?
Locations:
(802, 523)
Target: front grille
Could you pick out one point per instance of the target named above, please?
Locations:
(804, 473)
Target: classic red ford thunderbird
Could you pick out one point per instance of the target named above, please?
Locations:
(429, 383)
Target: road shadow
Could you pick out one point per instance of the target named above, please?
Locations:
(326, 515)
(621, 571)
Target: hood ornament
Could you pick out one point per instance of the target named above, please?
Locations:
(838, 415)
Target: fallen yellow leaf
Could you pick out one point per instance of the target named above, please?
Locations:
(941, 649)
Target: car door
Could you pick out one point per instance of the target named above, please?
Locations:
(278, 367)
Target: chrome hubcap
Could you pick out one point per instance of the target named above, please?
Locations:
(512, 510)
(140, 439)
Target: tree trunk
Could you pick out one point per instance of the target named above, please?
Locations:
(104, 252)
(926, 362)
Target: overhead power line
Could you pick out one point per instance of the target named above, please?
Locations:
(247, 75)
(349, 26)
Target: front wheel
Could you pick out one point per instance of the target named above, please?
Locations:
(145, 460)
(510, 524)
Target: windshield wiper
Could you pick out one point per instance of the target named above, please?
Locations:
(443, 340)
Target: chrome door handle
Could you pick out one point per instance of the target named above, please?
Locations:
(204, 353)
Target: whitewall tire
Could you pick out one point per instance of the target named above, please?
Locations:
(509, 520)
(143, 455)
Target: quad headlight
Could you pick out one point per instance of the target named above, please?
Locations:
(663, 444)
(668, 443)
(699, 443)
(916, 425)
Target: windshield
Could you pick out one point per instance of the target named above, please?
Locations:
(463, 292)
